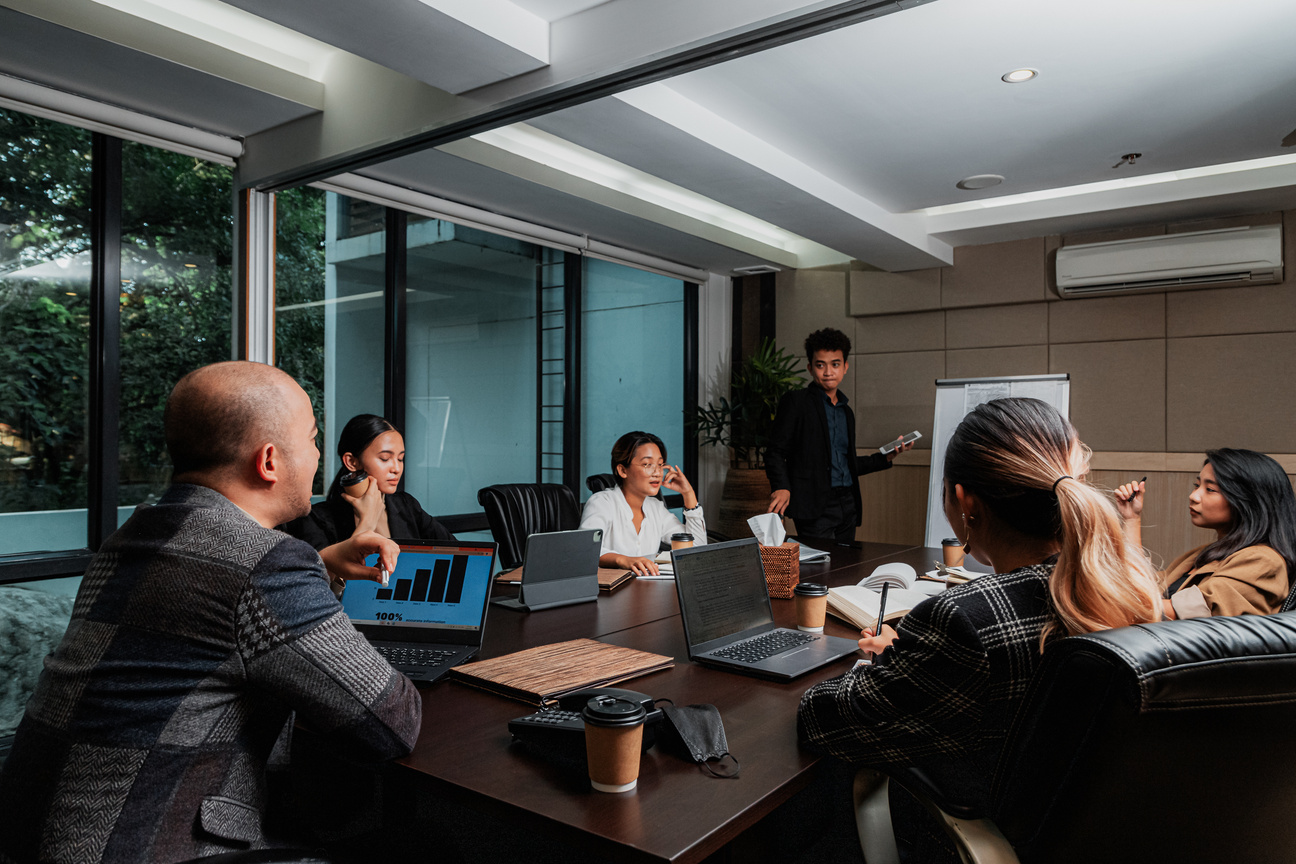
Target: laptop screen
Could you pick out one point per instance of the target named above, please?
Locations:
(436, 585)
(722, 589)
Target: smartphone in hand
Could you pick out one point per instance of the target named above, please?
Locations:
(890, 446)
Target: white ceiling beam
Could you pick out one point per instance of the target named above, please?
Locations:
(539, 157)
(502, 21)
(1032, 211)
(658, 100)
(590, 58)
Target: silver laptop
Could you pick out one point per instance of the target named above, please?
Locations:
(559, 568)
(432, 614)
(728, 622)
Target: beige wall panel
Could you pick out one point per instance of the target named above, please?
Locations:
(1167, 531)
(1118, 392)
(983, 362)
(1231, 391)
(810, 300)
(896, 394)
(1219, 311)
(895, 505)
(874, 292)
(886, 334)
(1107, 319)
(996, 326)
(995, 274)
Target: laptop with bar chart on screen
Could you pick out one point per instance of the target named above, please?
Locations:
(431, 616)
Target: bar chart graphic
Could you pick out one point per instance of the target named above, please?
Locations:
(442, 583)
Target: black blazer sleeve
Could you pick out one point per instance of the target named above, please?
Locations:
(407, 519)
(870, 463)
(783, 438)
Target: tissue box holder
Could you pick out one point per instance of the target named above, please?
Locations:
(782, 568)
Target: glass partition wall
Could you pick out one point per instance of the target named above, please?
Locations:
(172, 313)
(512, 362)
(470, 363)
(44, 313)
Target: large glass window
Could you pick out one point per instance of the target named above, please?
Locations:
(44, 316)
(329, 275)
(177, 231)
(632, 361)
(470, 363)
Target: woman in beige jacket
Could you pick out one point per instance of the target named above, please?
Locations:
(1247, 499)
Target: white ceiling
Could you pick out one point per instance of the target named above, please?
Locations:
(850, 141)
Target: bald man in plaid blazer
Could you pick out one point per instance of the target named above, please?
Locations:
(196, 631)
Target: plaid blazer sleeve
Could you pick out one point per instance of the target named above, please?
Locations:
(918, 700)
(296, 643)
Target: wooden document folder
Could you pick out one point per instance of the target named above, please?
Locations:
(540, 675)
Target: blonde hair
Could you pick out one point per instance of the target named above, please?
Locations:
(1011, 454)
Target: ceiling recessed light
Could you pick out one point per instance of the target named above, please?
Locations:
(980, 181)
(1017, 76)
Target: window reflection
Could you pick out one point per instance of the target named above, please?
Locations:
(44, 319)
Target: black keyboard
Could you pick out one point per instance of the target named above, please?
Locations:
(415, 656)
(766, 645)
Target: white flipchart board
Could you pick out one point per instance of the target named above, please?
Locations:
(955, 397)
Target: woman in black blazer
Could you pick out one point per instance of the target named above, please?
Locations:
(364, 496)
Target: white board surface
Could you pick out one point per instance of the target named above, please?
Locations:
(955, 397)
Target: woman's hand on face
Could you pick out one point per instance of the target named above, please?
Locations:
(677, 482)
(1129, 500)
(368, 508)
(638, 566)
(875, 645)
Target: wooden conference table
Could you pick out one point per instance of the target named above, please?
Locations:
(678, 813)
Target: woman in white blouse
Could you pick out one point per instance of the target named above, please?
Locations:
(634, 521)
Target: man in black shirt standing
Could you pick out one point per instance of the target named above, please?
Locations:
(811, 461)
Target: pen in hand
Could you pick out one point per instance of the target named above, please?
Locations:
(877, 627)
(1136, 492)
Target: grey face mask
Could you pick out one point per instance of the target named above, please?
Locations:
(696, 730)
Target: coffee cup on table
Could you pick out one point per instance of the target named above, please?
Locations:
(952, 550)
(681, 541)
(811, 606)
(613, 742)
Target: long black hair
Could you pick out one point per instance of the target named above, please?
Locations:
(1261, 500)
(627, 445)
(359, 432)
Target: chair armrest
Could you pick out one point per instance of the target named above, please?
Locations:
(977, 840)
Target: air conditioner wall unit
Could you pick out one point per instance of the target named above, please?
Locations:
(1198, 259)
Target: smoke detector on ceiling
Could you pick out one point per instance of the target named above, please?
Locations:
(756, 268)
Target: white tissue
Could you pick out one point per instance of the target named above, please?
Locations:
(768, 529)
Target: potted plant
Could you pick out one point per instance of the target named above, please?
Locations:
(743, 424)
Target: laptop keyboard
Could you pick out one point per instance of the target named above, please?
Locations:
(414, 656)
(766, 645)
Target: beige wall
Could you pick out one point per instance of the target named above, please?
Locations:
(1155, 378)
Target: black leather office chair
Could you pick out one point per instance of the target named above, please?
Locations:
(1161, 742)
(599, 482)
(515, 510)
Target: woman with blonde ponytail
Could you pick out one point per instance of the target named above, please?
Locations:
(943, 689)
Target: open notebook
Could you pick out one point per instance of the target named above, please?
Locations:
(858, 604)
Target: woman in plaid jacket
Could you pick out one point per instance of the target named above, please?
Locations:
(944, 687)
